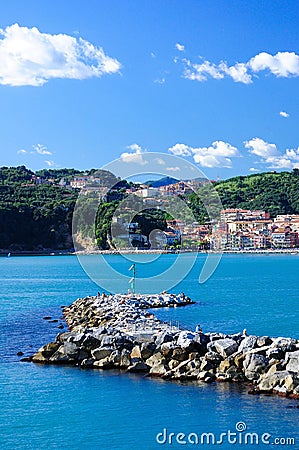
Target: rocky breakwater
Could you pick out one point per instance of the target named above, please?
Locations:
(118, 332)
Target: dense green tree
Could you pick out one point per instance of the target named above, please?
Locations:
(274, 192)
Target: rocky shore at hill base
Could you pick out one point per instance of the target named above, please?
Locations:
(120, 332)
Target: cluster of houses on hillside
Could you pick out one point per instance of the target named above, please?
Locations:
(244, 229)
(92, 183)
(130, 235)
(237, 229)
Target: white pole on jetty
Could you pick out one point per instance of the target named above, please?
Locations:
(133, 279)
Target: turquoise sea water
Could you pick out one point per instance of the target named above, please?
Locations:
(68, 408)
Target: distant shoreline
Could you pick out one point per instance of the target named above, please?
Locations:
(294, 251)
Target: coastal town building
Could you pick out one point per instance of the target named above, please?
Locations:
(240, 229)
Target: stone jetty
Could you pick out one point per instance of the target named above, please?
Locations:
(121, 332)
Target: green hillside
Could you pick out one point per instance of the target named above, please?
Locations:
(33, 217)
(277, 193)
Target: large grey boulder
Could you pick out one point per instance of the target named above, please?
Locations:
(187, 370)
(257, 365)
(214, 357)
(206, 365)
(50, 348)
(101, 353)
(285, 344)
(115, 358)
(91, 342)
(225, 347)
(123, 341)
(167, 349)
(138, 366)
(181, 370)
(268, 383)
(180, 354)
(66, 336)
(185, 339)
(66, 354)
(216, 336)
(77, 339)
(147, 349)
(263, 341)
(159, 370)
(275, 353)
(70, 349)
(103, 363)
(156, 359)
(44, 353)
(82, 354)
(125, 360)
(163, 337)
(292, 360)
(248, 343)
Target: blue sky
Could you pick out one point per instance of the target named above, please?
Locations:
(217, 82)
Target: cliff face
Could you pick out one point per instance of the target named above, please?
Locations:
(117, 332)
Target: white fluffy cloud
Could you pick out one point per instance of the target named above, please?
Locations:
(283, 64)
(284, 114)
(31, 58)
(259, 147)
(289, 160)
(238, 72)
(218, 154)
(180, 47)
(270, 155)
(135, 156)
(199, 72)
(50, 163)
(206, 159)
(41, 150)
(180, 150)
(38, 149)
(280, 162)
(173, 169)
